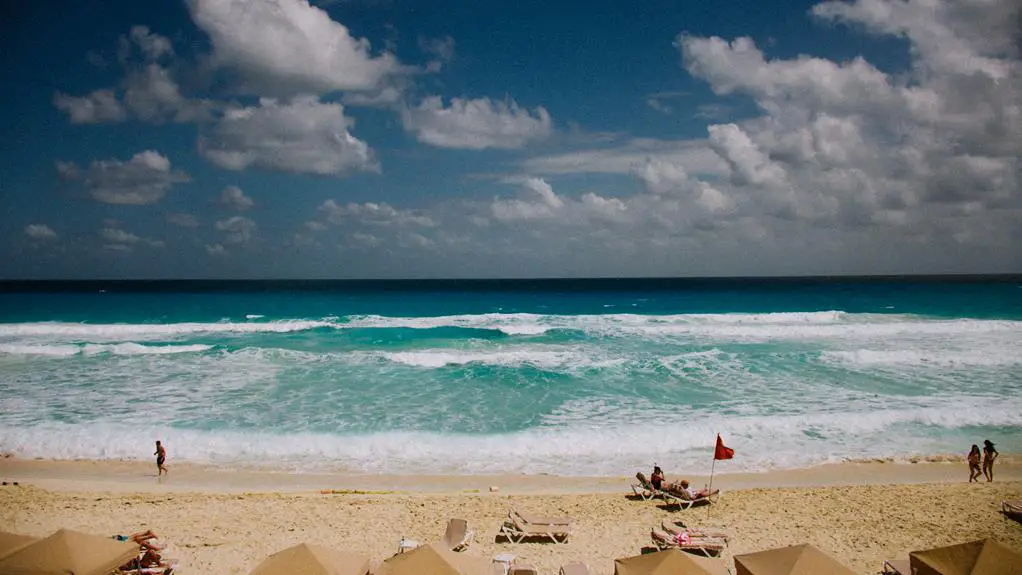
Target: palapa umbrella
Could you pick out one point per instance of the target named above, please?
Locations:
(795, 560)
(305, 559)
(669, 562)
(981, 557)
(68, 552)
(11, 542)
(434, 559)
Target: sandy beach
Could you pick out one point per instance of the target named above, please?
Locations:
(218, 521)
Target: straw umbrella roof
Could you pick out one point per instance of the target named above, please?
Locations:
(669, 562)
(981, 557)
(11, 542)
(68, 552)
(795, 560)
(434, 559)
(305, 559)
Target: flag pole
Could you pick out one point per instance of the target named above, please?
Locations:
(713, 465)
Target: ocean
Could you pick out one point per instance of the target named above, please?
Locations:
(564, 377)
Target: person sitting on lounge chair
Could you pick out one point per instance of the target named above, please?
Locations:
(657, 478)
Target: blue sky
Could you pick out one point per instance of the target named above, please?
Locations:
(389, 139)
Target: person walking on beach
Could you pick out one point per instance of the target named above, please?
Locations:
(989, 456)
(161, 458)
(974, 471)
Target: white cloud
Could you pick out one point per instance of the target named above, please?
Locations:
(475, 124)
(40, 232)
(628, 157)
(101, 106)
(371, 213)
(442, 50)
(236, 229)
(289, 46)
(183, 220)
(144, 179)
(148, 92)
(234, 198)
(540, 202)
(152, 45)
(300, 136)
(216, 250)
(929, 153)
(152, 95)
(116, 239)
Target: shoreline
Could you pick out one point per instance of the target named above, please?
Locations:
(139, 477)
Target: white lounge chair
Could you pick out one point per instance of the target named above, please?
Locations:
(896, 567)
(458, 536)
(520, 526)
(706, 546)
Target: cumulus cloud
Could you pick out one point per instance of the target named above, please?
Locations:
(148, 92)
(475, 124)
(540, 202)
(236, 229)
(300, 136)
(845, 144)
(98, 107)
(116, 239)
(232, 197)
(371, 213)
(144, 179)
(40, 232)
(629, 156)
(216, 250)
(309, 52)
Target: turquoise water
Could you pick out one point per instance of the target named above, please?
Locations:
(573, 377)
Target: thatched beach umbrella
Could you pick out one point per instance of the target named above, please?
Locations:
(434, 559)
(669, 562)
(305, 559)
(68, 552)
(11, 542)
(795, 560)
(982, 557)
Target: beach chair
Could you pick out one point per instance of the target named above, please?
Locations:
(676, 530)
(458, 536)
(575, 569)
(706, 546)
(521, 525)
(684, 501)
(1012, 509)
(522, 569)
(644, 489)
(896, 567)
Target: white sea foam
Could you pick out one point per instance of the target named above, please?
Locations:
(113, 332)
(127, 348)
(757, 327)
(581, 448)
(995, 356)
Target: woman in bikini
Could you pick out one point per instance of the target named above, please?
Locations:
(989, 456)
(974, 471)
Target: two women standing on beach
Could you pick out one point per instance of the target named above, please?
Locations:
(989, 455)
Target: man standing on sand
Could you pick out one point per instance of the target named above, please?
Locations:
(161, 458)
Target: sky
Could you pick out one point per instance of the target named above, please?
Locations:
(405, 139)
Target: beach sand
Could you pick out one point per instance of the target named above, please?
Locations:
(227, 522)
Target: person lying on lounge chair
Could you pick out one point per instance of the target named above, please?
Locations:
(682, 489)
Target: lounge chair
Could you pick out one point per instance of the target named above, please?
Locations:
(706, 546)
(682, 499)
(896, 567)
(522, 569)
(575, 569)
(521, 525)
(1012, 509)
(458, 536)
(644, 489)
(676, 530)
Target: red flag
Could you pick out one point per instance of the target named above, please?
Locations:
(722, 452)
